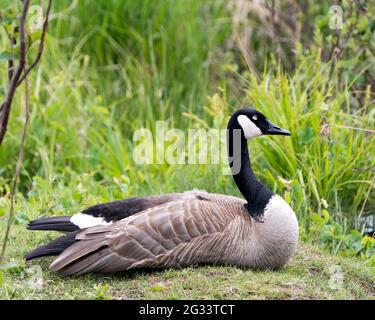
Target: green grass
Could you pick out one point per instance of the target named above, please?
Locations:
(309, 275)
(112, 67)
(126, 65)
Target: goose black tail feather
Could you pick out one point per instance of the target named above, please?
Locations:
(53, 223)
(53, 248)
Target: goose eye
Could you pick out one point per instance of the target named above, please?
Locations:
(254, 117)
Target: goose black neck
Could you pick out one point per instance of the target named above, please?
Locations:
(255, 193)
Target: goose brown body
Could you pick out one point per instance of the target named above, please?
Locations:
(199, 228)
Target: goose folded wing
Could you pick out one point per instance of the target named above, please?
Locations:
(168, 235)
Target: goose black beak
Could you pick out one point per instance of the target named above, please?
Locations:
(275, 130)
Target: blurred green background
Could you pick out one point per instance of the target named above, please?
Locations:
(111, 67)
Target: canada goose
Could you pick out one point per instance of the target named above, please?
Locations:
(181, 229)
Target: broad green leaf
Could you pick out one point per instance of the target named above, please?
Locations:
(5, 55)
(287, 197)
(9, 267)
(305, 136)
(325, 216)
(2, 211)
(21, 218)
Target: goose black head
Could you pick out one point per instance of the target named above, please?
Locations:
(254, 123)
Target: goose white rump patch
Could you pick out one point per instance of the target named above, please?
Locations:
(83, 221)
(249, 128)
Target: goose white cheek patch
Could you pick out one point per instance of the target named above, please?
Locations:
(86, 221)
(249, 128)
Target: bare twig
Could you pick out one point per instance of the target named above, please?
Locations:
(366, 198)
(18, 74)
(41, 44)
(10, 69)
(18, 169)
(354, 128)
(7, 104)
(340, 45)
(335, 54)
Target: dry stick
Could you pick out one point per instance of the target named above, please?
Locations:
(17, 76)
(354, 128)
(18, 169)
(366, 198)
(7, 104)
(340, 45)
(334, 55)
(10, 69)
(41, 44)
